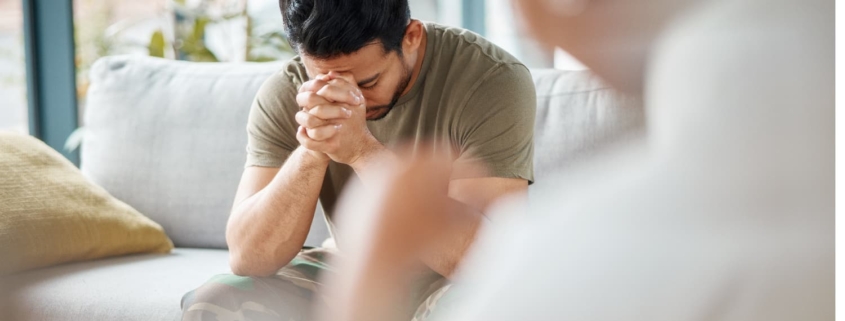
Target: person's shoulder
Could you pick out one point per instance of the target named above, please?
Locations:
(279, 89)
(509, 81)
(474, 64)
(468, 46)
(291, 74)
(515, 71)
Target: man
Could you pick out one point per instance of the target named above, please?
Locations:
(368, 79)
(728, 214)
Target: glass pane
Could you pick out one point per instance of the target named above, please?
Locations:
(502, 28)
(239, 30)
(13, 102)
(195, 30)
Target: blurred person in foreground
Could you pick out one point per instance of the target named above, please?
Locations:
(724, 212)
(367, 77)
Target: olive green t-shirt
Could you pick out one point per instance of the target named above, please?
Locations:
(472, 100)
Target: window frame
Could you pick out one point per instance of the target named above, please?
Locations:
(474, 16)
(51, 72)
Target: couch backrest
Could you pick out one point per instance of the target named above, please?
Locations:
(577, 117)
(168, 137)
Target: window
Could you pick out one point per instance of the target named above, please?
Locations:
(250, 30)
(13, 104)
(497, 22)
(194, 30)
(503, 30)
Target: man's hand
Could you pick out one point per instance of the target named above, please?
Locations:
(333, 119)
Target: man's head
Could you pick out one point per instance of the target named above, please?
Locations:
(375, 41)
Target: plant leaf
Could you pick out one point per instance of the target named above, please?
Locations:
(156, 46)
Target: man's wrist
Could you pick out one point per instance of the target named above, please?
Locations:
(314, 156)
(369, 154)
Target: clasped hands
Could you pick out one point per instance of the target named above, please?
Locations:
(332, 120)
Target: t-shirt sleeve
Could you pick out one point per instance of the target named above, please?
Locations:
(496, 125)
(271, 128)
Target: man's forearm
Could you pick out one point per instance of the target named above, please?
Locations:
(266, 230)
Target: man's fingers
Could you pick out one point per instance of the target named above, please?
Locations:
(330, 112)
(342, 92)
(323, 133)
(338, 75)
(311, 144)
(307, 120)
(309, 99)
(314, 84)
(335, 87)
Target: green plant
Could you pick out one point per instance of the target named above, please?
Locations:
(97, 36)
(188, 41)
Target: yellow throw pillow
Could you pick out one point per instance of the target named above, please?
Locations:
(51, 214)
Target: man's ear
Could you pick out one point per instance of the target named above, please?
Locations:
(413, 36)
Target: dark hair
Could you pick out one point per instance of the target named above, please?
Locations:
(329, 28)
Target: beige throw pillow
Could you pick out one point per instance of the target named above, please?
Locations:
(51, 214)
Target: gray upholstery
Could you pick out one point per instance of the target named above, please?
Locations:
(168, 138)
(137, 287)
(577, 117)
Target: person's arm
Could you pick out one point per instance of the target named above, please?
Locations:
(462, 211)
(467, 205)
(273, 211)
(277, 196)
(392, 228)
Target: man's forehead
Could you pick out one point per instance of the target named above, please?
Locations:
(365, 60)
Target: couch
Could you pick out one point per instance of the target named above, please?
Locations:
(168, 138)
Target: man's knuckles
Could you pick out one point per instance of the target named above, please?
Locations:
(330, 145)
(322, 133)
(330, 112)
(313, 85)
(308, 100)
(307, 120)
(341, 93)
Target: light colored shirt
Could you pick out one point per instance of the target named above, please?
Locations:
(725, 213)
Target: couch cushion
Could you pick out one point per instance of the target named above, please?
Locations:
(51, 214)
(138, 287)
(169, 139)
(578, 116)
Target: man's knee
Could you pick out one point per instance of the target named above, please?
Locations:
(233, 297)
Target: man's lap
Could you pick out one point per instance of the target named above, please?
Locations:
(287, 295)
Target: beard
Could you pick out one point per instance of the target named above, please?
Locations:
(383, 110)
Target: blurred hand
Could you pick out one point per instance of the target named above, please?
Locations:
(402, 208)
(383, 229)
(333, 119)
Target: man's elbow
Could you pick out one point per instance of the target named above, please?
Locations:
(245, 263)
(259, 263)
(244, 266)
(250, 256)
